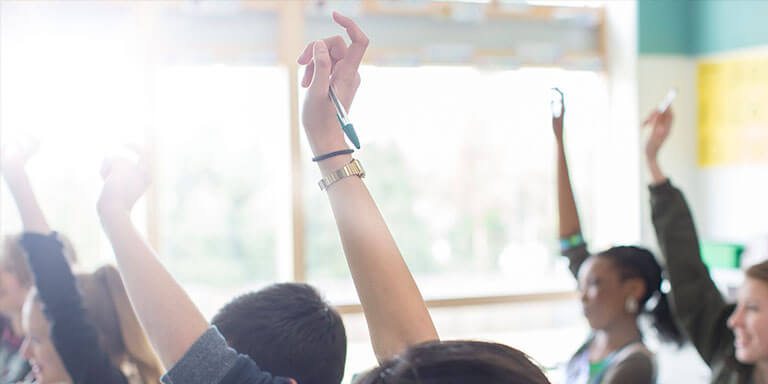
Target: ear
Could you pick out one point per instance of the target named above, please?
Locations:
(634, 287)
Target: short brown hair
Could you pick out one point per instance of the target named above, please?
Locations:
(457, 362)
(758, 271)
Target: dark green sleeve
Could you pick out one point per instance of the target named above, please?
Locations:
(698, 305)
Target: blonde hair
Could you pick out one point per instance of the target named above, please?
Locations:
(120, 333)
(14, 258)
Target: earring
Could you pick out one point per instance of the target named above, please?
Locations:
(630, 305)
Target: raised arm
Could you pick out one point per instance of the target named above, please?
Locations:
(394, 309)
(571, 241)
(172, 322)
(14, 169)
(75, 338)
(698, 305)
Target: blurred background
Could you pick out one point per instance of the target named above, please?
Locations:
(454, 119)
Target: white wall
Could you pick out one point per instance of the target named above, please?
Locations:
(617, 184)
(656, 76)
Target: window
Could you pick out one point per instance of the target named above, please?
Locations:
(81, 95)
(461, 163)
(223, 177)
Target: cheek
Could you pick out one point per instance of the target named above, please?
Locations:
(757, 325)
(599, 294)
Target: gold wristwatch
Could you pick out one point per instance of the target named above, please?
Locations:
(353, 168)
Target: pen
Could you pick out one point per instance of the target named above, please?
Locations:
(341, 114)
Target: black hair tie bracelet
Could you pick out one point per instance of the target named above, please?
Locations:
(332, 154)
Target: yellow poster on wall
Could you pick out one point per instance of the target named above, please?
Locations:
(733, 111)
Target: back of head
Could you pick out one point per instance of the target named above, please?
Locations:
(288, 330)
(637, 262)
(457, 362)
(120, 333)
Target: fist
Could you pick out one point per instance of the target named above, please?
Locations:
(125, 181)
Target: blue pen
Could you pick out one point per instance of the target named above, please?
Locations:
(341, 114)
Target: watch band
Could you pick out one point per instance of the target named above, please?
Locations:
(353, 168)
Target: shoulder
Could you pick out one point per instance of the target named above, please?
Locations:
(211, 360)
(634, 364)
(246, 371)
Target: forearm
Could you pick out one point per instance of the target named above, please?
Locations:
(396, 314)
(74, 338)
(32, 217)
(53, 277)
(172, 322)
(657, 176)
(676, 234)
(569, 215)
(698, 304)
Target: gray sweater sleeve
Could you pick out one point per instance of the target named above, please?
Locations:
(207, 361)
(211, 361)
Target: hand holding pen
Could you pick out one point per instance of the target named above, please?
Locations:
(331, 73)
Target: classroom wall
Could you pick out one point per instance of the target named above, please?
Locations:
(723, 26)
(665, 62)
(674, 38)
(734, 201)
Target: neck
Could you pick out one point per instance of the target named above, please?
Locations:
(613, 338)
(760, 375)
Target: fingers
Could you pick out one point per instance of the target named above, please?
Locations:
(322, 70)
(668, 116)
(309, 71)
(125, 161)
(337, 48)
(651, 119)
(356, 50)
(336, 45)
(348, 57)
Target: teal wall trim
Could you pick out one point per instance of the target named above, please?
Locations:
(726, 25)
(700, 27)
(664, 27)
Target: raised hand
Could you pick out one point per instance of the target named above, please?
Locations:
(16, 155)
(660, 127)
(170, 318)
(557, 122)
(15, 158)
(125, 181)
(330, 61)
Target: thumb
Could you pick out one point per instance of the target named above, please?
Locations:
(321, 79)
